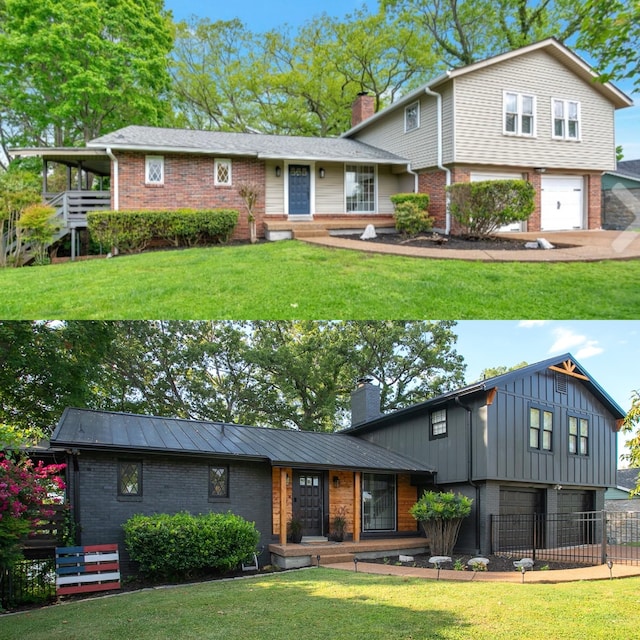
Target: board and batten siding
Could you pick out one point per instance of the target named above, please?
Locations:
(411, 438)
(509, 456)
(479, 136)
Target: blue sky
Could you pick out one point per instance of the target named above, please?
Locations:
(262, 15)
(608, 349)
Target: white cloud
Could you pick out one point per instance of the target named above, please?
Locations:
(591, 348)
(581, 346)
(529, 324)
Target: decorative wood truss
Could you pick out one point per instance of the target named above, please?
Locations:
(569, 368)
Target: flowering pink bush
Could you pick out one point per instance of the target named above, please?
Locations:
(25, 490)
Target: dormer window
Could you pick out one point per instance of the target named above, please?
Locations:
(412, 117)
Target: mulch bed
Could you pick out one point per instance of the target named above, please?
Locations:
(496, 563)
(439, 241)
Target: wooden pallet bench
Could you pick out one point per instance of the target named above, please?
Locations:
(86, 569)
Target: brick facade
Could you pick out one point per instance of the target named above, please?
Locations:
(434, 183)
(362, 108)
(189, 183)
(169, 485)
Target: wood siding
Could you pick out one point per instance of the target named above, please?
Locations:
(479, 134)
(407, 497)
(275, 499)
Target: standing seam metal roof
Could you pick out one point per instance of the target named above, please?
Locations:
(101, 430)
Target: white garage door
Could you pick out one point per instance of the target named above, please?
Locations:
(562, 203)
(478, 176)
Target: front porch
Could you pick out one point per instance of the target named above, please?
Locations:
(322, 226)
(310, 553)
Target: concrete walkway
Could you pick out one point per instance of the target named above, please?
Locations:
(588, 246)
(599, 572)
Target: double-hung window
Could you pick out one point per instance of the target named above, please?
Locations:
(438, 420)
(154, 170)
(540, 429)
(578, 436)
(519, 114)
(566, 119)
(360, 186)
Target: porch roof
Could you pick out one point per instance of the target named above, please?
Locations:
(256, 145)
(94, 160)
(108, 431)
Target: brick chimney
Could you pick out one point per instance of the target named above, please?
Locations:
(365, 402)
(362, 108)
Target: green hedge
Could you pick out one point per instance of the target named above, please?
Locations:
(482, 207)
(411, 213)
(173, 545)
(132, 231)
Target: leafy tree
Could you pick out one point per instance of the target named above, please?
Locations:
(465, 31)
(610, 32)
(492, 372)
(630, 423)
(70, 71)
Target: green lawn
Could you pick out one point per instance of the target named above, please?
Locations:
(294, 280)
(325, 604)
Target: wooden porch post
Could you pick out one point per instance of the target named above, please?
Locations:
(283, 506)
(357, 505)
(45, 186)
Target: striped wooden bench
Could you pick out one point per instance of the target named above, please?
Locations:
(86, 569)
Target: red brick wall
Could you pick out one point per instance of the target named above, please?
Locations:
(362, 109)
(188, 183)
(434, 183)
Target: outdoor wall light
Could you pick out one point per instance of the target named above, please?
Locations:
(288, 480)
(278, 171)
(321, 172)
(336, 482)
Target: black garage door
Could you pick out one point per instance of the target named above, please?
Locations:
(520, 528)
(576, 524)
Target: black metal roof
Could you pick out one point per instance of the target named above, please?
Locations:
(491, 383)
(108, 431)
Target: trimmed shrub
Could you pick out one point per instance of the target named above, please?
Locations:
(171, 545)
(482, 207)
(411, 213)
(132, 231)
(441, 515)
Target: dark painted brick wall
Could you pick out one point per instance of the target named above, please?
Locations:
(169, 485)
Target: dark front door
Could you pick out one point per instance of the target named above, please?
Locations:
(307, 502)
(299, 189)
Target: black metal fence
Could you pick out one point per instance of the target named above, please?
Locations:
(589, 537)
(28, 582)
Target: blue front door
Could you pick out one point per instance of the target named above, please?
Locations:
(299, 189)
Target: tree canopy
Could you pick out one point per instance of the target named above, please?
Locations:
(296, 375)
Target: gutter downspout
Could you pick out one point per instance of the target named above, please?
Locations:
(115, 181)
(447, 172)
(470, 480)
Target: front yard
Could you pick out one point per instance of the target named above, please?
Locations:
(324, 603)
(294, 280)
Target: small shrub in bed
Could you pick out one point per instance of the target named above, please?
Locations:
(410, 210)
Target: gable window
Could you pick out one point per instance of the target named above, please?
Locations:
(412, 117)
(519, 114)
(129, 478)
(218, 482)
(438, 420)
(154, 169)
(222, 172)
(378, 502)
(566, 119)
(360, 186)
(578, 436)
(540, 429)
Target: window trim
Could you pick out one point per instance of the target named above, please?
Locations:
(443, 434)
(147, 162)
(214, 496)
(565, 120)
(349, 167)
(415, 104)
(578, 437)
(519, 114)
(540, 448)
(394, 477)
(121, 493)
(217, 162)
